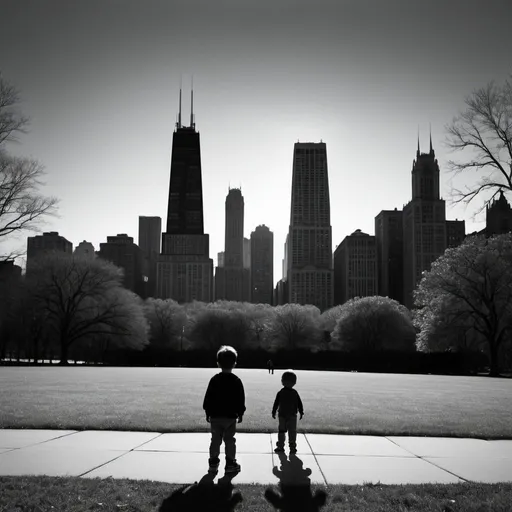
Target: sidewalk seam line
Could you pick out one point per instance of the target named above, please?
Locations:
(427, 461)
(316, 460)
(104, 464)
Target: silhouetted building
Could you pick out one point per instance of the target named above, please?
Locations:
(455, 232)
(122, 252)
(184, 268)
(355, 267)
(232, 281)
(498, 217)
(247, 253)
(390, 246)
(47, 242)
(150, 236)
(281, 293)
(85, 249)
(309, 259)
(220, 259)
(262, 265)
(424, 222)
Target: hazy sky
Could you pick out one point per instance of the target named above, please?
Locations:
(100, 80)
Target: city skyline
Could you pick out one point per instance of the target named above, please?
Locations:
(103, 104)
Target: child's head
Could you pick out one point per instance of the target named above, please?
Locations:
(289, 379)
(226, 357)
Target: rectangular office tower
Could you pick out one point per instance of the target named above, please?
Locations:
(389, 239)
(150, 237)
(309, 259)
(184, 268)
(262, 265)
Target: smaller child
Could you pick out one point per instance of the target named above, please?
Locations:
(224, 405)
(287, 402)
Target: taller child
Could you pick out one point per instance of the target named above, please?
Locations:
(224, 404)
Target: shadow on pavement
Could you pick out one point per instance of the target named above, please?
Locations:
(295, 487)
(204, 495)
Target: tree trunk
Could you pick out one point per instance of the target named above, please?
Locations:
(63, 353)
(493, 352)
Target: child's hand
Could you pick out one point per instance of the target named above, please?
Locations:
(240, 419)
(208, 418)
(274, 416)
(301, 414)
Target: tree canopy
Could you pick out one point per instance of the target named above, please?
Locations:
(466, 297)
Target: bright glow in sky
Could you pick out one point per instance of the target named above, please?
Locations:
(100, 81)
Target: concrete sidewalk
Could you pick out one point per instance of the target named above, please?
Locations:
(323, 459)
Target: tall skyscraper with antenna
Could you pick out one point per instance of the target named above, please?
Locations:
(424, 221)
(184, 269)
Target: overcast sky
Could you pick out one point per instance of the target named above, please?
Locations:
(100, 81)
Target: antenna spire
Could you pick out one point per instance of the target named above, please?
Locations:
(431, 149)
(179, 115)
(192, 124)
(418, 151)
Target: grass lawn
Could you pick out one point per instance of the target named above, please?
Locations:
(170, 400)
(83, 495)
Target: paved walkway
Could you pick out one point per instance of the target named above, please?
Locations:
(323, 459)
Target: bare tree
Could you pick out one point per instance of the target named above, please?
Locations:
(82, 297)
(22, 207)
(484, 132)
(11, 121)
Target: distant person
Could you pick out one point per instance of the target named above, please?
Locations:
(287, 404)
(270, 366)
(224, 402)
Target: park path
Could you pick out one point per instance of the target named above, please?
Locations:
(321, 458)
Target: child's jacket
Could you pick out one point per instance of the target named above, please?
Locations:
(288, 402)
(225, 396)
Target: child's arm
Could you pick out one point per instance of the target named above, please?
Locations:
(241, 402)
(299, 405)
(207, 402)
(274, 407)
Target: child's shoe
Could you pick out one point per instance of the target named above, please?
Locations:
(232, 466)
(293, 448)
(213, 465)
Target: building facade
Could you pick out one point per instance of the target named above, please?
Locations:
(262, 265)
(46, 243)
(424, 222)
(498, 217)
(184, 267)
(455, 232)
(232, 281)
(355, 267)
(390, 245)
(309, 244)
(150, 237)
(122, 252)
(85, 250)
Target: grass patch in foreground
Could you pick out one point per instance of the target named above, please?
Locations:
(82, 494)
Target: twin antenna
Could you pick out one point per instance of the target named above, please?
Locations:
(192, 123)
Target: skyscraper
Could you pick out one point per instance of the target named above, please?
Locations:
(122, 252)
(498, 216)
(85, 249)
(309, 259)
(389, 239)
(424, 222)
(48, 242)
(184, 268)
(232, 280)
(150, 236)
(355, 267)
(262, 265)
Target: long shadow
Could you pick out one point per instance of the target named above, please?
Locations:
(295, 487)
(204, 495)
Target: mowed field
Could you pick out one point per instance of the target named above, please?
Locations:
(170, 400)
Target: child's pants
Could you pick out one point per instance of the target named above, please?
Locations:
(287, 424)
(223, 429)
